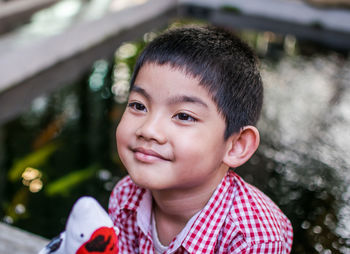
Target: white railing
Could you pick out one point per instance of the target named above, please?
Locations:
(17, 241)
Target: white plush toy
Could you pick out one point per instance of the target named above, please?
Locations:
(89, 230)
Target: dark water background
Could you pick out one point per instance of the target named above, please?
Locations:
(63, 147)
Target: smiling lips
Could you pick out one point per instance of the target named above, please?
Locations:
(147, 155)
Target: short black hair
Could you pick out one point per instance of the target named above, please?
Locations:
(222, 63)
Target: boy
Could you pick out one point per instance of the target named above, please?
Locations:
(195, 97)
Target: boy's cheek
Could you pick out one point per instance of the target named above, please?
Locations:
(121, 139)
(122, 126)
(120, 136)
(126, 122)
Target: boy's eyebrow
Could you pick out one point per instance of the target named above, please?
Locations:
(186, 98)
(173, 100)
(141, 91)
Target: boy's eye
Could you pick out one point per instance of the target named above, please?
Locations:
(185, 117)
(137, 106)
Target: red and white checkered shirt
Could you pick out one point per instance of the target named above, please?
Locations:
(238, 218)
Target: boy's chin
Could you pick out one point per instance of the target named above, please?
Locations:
(143, 182)
(153, 185)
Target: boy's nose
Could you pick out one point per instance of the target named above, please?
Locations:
(152, 129)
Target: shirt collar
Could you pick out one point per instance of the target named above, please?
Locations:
(205, 230)
(144, 221)
(139, 201)
(144, 213)
(134, 198)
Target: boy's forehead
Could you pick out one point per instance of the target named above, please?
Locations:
(163, 70)
(183, 70)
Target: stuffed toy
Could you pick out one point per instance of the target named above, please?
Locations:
(89, 230)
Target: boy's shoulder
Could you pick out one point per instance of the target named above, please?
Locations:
(126, 195)
(256, 215)
(125, 186)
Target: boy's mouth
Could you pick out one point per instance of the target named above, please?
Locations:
(147, 155)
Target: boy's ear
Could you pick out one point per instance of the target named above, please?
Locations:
(241, 146)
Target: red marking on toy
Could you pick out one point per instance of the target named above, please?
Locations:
(103, 241)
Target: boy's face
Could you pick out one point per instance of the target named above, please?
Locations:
(171, 135)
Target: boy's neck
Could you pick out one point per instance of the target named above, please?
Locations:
(174, 208)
